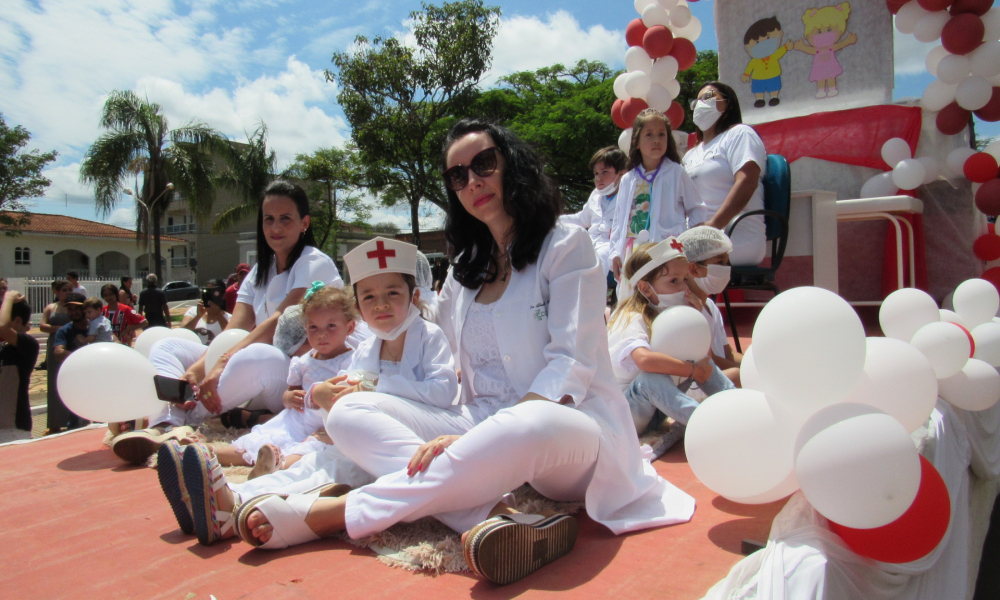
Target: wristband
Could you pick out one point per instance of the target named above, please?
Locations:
(691, 376)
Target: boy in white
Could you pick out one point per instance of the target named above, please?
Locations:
(655, 383)
(608, 165)
(99, 329)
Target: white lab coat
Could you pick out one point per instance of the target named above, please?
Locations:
(551, 335)
(596, 217)
(675, 206)
(426, 370)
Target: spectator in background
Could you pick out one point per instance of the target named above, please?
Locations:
(98, 326)
(18, 353)
(124, 320)
(125, 295)
(55, 316)
(74, 279)
(233, 290)
(3, 287)
(69, 338)
(153, 303)
(440, 273)
(209, 318)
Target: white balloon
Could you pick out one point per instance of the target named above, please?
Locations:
(749, 377)
(987, 338)
(222, 344)
(680, 16)
(149, 337)
(857, 466)
(908, 17)
(619, 87)
(664, 70)
(681, 332)
(956, 159)
(945, 345)
(809, 347)
(739, 448)
(655, 15)
(691, 31)
(975, 387)
(991, 20)
(636, 59)
(932, 168)
(973, 93)
(637, 84)
(184, 334)
(673, 88)
(87, 376)
(879, 186)
(895, 150)
(976, 301)
(658, 97)
(950, 316)
(933, 58)
(625, 140)
(908, 174)
(905, 311)
(938, 95)
(993, 149)
(928, 28)
(985, 60)
(953, 68)
(640, 5)
(667, 4)
(898, 380)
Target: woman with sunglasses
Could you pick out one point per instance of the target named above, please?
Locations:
(523, 309)
(726, 167)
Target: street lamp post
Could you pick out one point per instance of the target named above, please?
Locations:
(149, 226)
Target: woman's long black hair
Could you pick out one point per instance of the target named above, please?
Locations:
(529, 197)
(265, 255)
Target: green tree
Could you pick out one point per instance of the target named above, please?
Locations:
(386, 228)
(399, 99)
(564, 113)
(334, 175)
(20, 176)
(706, 68)
(249, 169)
(138, 141)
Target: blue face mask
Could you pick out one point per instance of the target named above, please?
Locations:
(765, 48)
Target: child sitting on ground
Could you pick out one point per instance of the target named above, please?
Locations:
(657, 275)
(707, 250)
(99, 329)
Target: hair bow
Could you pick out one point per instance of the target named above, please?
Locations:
(316, 286)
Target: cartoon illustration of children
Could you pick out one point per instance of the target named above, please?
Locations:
(763, 43)
(824, 29)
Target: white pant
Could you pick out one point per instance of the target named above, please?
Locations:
(550, 446)
(313, 470)
(257, 373)
(288, 431)
(749, 247)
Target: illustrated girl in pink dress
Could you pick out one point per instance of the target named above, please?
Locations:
(824, 29)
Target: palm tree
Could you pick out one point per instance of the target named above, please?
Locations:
(250, 168)
(138, 141)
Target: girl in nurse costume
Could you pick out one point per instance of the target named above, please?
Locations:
(655, 384)
(656, 196)
(523, 308)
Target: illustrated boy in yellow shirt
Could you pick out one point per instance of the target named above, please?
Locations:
(763, 43)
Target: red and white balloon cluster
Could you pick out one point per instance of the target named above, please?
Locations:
(907, 172)
(966, 64)
(827, 411)
(661, 43)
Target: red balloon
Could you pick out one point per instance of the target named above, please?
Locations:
(987, 247)
(895, 5)
(616, 114)
(975, 7)
(935, 5)
(631, 109)
(993, 276)
(963, 33)
(980, 167)
(685, 53)
(657, 41)
(953, 119)
(634, 32)
(913, 535)
(675, 114)
(988, 198)
(991, 112)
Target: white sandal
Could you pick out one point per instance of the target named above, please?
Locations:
(286, 514)
(204, 477)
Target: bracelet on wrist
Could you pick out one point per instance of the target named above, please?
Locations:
(691, 376)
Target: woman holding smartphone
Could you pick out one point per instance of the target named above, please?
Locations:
(209, 317)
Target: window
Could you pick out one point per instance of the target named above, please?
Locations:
(22, 256)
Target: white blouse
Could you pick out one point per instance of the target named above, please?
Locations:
(312, 265)
(491, 386)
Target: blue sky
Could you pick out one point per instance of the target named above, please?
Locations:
(232, 63)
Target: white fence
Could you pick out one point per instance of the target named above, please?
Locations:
(39, 291)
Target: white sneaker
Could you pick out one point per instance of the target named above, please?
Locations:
(833, 92)
(821, 94)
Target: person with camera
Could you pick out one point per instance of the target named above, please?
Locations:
(209, 318)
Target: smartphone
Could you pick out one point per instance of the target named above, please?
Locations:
(172, 390)
(214, 296)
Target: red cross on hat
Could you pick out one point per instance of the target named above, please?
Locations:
(381, 254)
(676, 245)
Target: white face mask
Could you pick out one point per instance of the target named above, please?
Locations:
(611, 189)
(666, 300)
(716, 280)
(397, 331)
(705, 114)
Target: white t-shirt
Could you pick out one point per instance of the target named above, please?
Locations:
(714, 318)
(206, 331)
(81, 290)
(713, 168)
(312, 265)
(623, 339)
(101, 329)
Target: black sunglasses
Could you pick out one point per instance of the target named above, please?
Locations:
(482, 164)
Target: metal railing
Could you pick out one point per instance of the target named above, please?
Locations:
(183, 228)
(181, 261)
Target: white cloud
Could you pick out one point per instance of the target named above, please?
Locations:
(910, 54)
(123, 217)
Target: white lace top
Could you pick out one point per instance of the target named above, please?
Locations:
(387, 368)
(491, 387)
